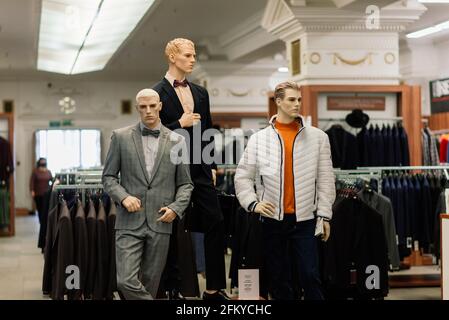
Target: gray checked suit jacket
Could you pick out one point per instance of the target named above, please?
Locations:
(170, 184)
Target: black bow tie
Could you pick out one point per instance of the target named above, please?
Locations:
(149, 132)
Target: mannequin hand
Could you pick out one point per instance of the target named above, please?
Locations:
(132, 204)
(214, 176)
(168, 216)
(189, 119)
(327, 231)
(265, 209)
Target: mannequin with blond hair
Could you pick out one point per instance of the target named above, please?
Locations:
(187, 108)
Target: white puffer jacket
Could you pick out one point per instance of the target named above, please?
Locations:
(260, 173)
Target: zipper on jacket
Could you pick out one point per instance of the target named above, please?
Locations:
(282, 174)
(293, 164)
(314, 196)
(263, 192)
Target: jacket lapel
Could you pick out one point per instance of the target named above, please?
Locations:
(160, 151)
(173, 96)
(196, 98)
(137, 137)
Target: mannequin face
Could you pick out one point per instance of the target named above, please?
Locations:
(185, 60)
(291, 104)
(149, 108)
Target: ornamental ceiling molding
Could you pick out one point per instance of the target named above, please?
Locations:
(280, 17)
(352, 62)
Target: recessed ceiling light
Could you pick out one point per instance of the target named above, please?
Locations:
(283, 69)
(79, 36)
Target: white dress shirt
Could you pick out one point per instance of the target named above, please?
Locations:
(184, 94)
(150, 146)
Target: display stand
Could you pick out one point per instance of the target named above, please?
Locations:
(7, 132)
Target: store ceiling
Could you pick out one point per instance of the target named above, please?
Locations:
(141, 56)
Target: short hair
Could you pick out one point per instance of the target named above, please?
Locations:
(174, 46)
(279, 91)
(147, 93)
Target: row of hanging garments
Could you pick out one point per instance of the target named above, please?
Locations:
(415, 203)
(80, 234)
(362, 229)
(6, 168)
(373, 146)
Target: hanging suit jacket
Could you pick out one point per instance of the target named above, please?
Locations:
(404, 150)
(343, 148)
(112, 277)
(357, 241)
(379, 150)
(6, 160)
(64, 253)
(48, 252)
(91, 223)
(81, 248)
(383, 205)
(102, 274)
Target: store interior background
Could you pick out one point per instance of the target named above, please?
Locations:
(242, 48)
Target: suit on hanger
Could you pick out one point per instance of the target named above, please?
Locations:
(81, 247)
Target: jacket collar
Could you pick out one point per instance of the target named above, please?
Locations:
(299, 119)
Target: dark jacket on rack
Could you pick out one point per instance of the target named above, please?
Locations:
(405, 155)
(48, 252)
(64, 253)
(6, 161)
(91, 223)
(343, 148)
(383, 205)
(247, 251)
(112, 277)
(81, 249)
(356, 242)
(102, 274)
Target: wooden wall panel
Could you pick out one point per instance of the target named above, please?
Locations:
(439, 121)
(409, 106)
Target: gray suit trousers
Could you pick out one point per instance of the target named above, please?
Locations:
(140, 255)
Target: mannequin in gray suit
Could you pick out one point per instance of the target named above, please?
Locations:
(154, 188)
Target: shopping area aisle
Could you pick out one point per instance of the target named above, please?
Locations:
(21, 262)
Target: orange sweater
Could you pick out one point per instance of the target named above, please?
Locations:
(288, 133)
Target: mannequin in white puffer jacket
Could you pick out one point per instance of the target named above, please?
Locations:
(286, 176)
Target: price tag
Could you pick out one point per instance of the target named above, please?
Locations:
(249, 284)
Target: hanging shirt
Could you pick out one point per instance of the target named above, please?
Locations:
(150, 145)
(288, 133)
(184, 94)
(443, 147)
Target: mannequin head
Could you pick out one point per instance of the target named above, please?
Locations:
(181, 57)
(287, 96)
(148, 106)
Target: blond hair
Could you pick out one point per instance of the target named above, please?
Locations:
(174, 46)
(145, 93)
(279, 91)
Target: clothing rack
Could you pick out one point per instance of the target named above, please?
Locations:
(371, 119)
(438, 132)
(406, 168)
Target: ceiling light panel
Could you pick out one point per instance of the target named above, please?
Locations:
(81, 36)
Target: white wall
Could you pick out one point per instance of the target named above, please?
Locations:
(98, 106)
